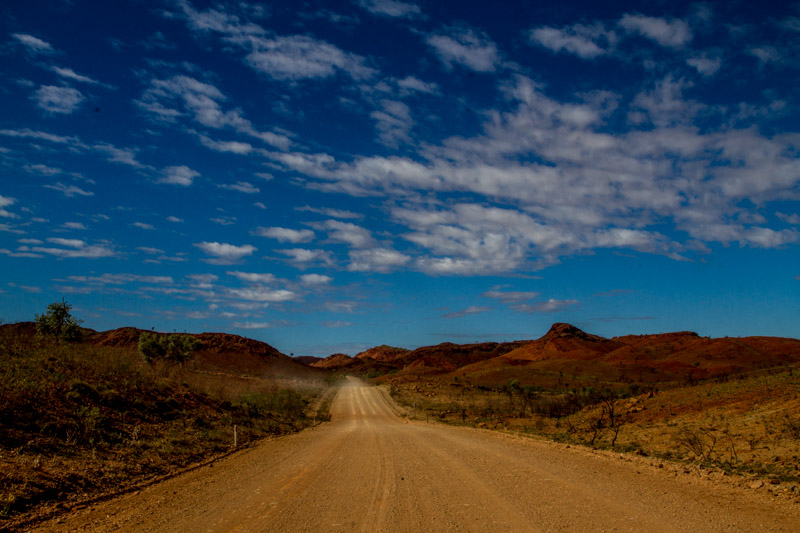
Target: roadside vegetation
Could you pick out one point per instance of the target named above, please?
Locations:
(748, 424)
(78, 421)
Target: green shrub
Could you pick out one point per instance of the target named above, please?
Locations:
(176, 347)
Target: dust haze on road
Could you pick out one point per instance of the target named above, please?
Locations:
(370, 470)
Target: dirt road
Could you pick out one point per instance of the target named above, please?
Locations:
(369, 470)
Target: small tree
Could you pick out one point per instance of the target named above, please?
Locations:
(58, 322)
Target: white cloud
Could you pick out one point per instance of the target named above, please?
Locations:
(393, 122)
(202, 281)
(298, 57)
(62, 100)
(72, 75)
(285, 234)
(413, 84)
(6, 201)
(315, 279)
(550, 306)
(791, 23)
(33, 44)
(122, 279)
(347, 233)
(73, 225)
(252, 325)
(673, 33)
(224, 221)
(466, 47)
(511, 296)
(179, 175)
(202, 102)
(549, 180)
(391, 8)
(150, 250)
(262, 294)
(705, 65)
(234, 147)
(587, 42)
(292, 57)
(142, 225)
(174, 219)
(69, 190)
(376, 260)
(766, 54)
(471, 310)
(72, 248)
(303, 257)
(329, 212)
(42, 170)
(789, 218)
(124, 156)
(241, 186)
(224, 253)
(42, 135)
(337, 324)
(253, 277)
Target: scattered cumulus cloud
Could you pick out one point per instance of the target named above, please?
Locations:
(393, 122)
(71, 249)
(253, 277)
(281, 57)
(330, 212)
(69, 191)
(224, 253)
(471, 310)
(508, 297)
(114, 154)
(705, 65)
(391, 8)
(673, 33)
(467, 47)
(348, 233)
(202, 102)
(299, 57)
(143, 225)
(766, 54)
(381, 260)
(413, 84)
(262, 294)
(285, 234)
(315, 279)
(73, 225)
(252, 325)
(70, 74)
(581, 40)
(33, 44)
(60, 100)
(42, 170)
(549, 306)
(241, 186)
(6, 201)
(122, 279)
(304, 257)
(179, 175)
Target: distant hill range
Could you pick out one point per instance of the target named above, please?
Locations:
(568, 356)
(218, 352)
(564, 356)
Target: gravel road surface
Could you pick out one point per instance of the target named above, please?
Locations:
(369, 470)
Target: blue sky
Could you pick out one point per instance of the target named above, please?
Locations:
(328, 176)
